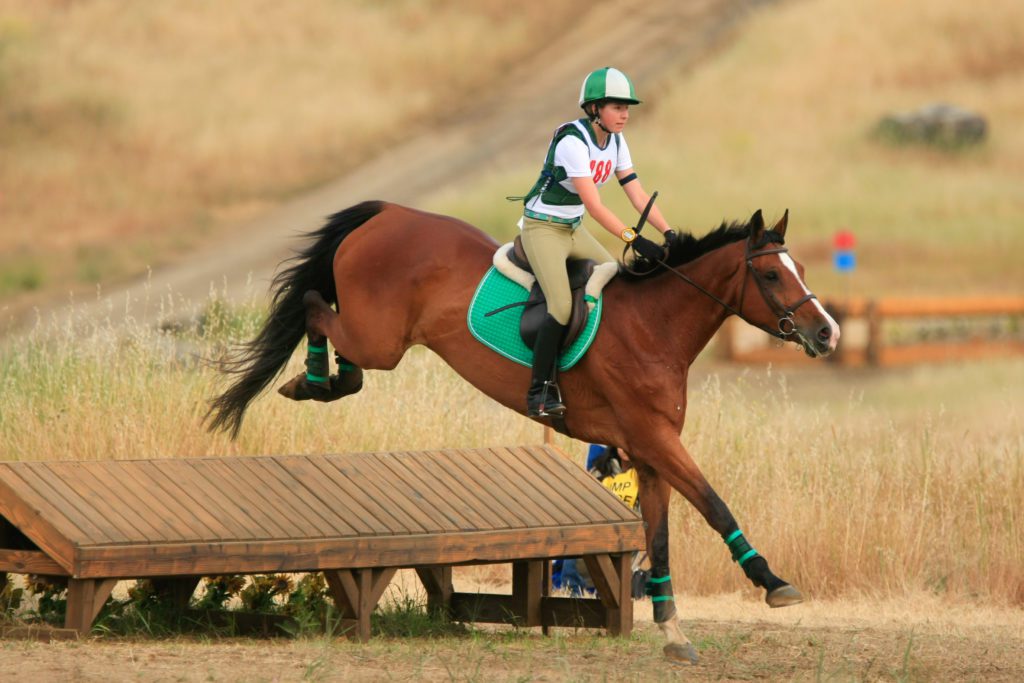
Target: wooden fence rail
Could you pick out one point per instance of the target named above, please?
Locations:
(865, 324)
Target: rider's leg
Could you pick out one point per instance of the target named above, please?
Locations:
(547, 246)
(586, 246)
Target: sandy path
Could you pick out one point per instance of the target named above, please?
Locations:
(510, 124)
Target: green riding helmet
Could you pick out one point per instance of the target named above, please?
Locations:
(607, 84)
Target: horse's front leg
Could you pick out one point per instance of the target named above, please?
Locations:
(675, 465)
(654, 500)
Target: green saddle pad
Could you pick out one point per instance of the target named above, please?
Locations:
(501, 330)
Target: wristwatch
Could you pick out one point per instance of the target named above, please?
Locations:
(628, 235)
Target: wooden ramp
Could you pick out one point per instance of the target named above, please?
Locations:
(356, 517)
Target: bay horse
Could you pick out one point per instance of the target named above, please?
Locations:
(399, 276)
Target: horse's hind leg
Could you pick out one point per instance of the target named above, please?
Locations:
(317, 383)
(654, 497)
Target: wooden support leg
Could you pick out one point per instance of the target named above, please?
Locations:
(612, 575)
(527, 590)
(85, 599)
(355, 593)
(176, 591)
(437, 581)
(545, 592)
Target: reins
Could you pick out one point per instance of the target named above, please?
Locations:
(786, 325)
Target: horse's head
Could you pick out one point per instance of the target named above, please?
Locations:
(786, 308)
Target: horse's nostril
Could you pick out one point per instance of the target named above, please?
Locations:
(825, 333)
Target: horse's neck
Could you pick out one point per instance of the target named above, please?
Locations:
(692, 318)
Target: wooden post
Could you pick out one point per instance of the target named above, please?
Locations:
(176, 591)
(873, 352)
(545, 592)
(527, 589)
(612, 575)
(85, 600)
(437, 581)
(356, 592)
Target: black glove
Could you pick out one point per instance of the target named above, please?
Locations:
(670, 238)
(648, 249)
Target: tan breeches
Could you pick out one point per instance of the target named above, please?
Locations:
(548, 246)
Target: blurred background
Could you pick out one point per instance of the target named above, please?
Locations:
(155, 149)
(133, 134)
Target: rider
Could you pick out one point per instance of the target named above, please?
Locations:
(581, 157)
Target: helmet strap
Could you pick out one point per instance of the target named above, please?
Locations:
(595, 117)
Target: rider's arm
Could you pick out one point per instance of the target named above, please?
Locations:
(587, 191)
(639, 198)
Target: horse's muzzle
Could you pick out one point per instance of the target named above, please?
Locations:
(822, 341)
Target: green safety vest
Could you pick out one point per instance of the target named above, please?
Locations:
(549, 183)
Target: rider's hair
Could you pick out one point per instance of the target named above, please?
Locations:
(593, 109)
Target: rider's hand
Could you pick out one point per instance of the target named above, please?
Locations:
(671, 237)
(648, 249)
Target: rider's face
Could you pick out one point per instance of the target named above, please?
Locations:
(614, 116)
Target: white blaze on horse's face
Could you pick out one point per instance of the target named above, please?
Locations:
(833, 337)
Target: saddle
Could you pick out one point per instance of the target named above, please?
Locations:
(586, 280)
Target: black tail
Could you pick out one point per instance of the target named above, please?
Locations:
(257, 363)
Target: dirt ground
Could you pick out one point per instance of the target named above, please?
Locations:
(738, 639)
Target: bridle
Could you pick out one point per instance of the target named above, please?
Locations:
(786, 324)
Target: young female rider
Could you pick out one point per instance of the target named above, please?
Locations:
(582, 156)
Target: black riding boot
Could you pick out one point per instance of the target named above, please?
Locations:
(543, 398)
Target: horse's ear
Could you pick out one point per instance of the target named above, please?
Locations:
(780, 227)
(757, 220)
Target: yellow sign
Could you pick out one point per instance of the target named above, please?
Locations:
(625, 485)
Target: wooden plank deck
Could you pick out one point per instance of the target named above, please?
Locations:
(357, 517)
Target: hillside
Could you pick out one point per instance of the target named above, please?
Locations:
(193, 145)
(196, 143)
(782, 117)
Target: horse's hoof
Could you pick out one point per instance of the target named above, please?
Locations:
(681, 652)
(298, 388)
(784, 596)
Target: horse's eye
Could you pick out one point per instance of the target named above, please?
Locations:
(771, 276)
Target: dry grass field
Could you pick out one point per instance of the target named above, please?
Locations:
(894, 499)
(878, 483)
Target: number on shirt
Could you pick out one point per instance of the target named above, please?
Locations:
(601, 170)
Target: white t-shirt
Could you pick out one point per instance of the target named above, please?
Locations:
(582, 158)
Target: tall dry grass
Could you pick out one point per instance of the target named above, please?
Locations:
(872, 484)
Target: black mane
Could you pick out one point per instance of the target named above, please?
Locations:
(689, 248)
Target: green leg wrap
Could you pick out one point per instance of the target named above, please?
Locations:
(659, 588)
(344, 365)
(742, 552)
(318, 367)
